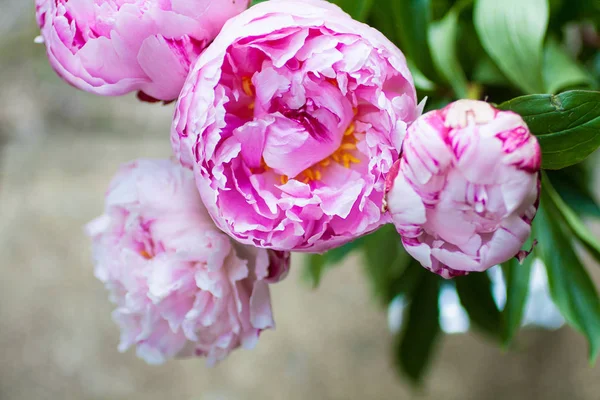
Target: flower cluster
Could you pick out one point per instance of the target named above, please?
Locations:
(296, 128)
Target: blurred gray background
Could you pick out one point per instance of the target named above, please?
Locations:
(58, 150)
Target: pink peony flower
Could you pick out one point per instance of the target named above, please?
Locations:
(182, 287)
(113, 47)
(466, 188)
(291, 118)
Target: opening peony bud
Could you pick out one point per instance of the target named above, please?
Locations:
(465, 189)
(464, 112)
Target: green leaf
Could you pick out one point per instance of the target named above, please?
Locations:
(313, 271)
(475, 293)
(382, 18)
(411, 19)
(573, 186)
(439, 8)
(567, 125)
(358, 9)
(442, 41)
(512, 33)
(570, 285)
(415, 344)
(256, 2)
(421, 81)
(317, 264)
(437, 103)
(386, 262)
(517, 277)
(572, 220)
(487, 72)
(560, 70)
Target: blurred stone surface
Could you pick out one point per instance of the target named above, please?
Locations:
(60, 148)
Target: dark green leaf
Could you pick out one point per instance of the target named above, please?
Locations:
(313, 271)
(442, 41)
(358, 9)
(411, 19)
(570, 285)
(573, 185)
(487, 72)
(439, 8)
(567, 125)
(416, 343)
(386, 262)
(437, 103)
(573, 222)
(382, 18)
(469, 48)
(421, 81)
(317, 264)
(560, 70)
(512, 32)
(256, 2)
(475, 293)
(577, 10)
(517, 277)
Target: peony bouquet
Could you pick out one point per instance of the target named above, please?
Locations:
(438, 139)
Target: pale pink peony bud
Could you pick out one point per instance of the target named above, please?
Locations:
(291, 119)
(466, 187)
(182, 287)
(113, 47)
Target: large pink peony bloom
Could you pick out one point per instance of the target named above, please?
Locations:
(465, 190)
(182, 287)
(112, 47)
(291, 119)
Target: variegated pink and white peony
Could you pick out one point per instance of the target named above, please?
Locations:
(466, 188)
(182, 287)
(113, 47)
(291, 119)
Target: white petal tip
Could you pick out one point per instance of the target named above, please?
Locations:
(463, 112)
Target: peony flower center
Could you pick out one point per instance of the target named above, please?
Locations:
(344, 155)
(248, 89)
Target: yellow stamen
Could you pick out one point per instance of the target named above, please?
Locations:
(251, 106)
(353, 159)
(145, 254)
(346, 160)
(342, 156)
(350, 130)
(247, 86)
(348, 146)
